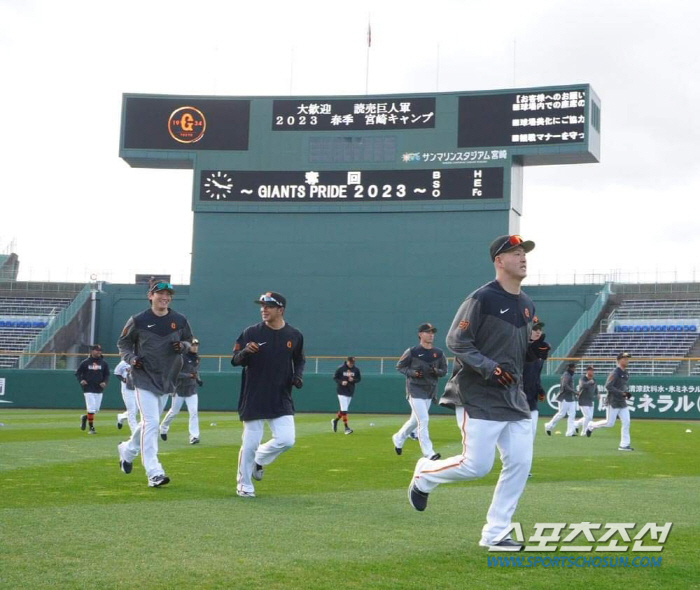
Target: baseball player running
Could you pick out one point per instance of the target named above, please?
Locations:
(587, 390)
(272, 356)
(123, 373)
(346, 377)
(93, 375)
(616, 402)
(422, 365)
(532, 384)
(152, 342)
(489, 337)
(567, 403)
(186, 393)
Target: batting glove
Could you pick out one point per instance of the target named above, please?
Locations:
(502, 377)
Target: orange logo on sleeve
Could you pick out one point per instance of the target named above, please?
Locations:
(289, 343)
(463, 325)
(435, 355)
(173, 325)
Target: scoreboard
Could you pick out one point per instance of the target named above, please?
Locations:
(454, 150)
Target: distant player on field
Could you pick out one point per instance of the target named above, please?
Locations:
(567, 403)
(490, 339)
(152, 342)
(422, 365)
(93, 375)
(346, 377)
(587, 390)
(186, 392)
(616, 402)
(532, 383)
(272, 356)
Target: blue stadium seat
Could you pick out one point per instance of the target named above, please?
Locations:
(645, 328)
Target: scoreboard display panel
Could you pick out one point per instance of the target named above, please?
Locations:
(456, 150)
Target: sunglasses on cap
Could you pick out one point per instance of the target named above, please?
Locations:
(162, 286)
(270, 300)
(511, 242)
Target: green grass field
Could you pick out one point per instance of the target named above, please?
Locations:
(330, 513)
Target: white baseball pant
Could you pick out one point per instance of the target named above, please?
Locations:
(253, 452)
(583, 422)
(612, 414)
(534, 414)
(480, 438)
(93, 402)
(145, 437)
(344, 401)
(567, 409)
(420, 417)
(129, 398)
(192, 402)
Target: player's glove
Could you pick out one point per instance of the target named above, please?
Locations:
(177, 346)
(540, 397)
(502, 377)
(433, 371)
(137, 362)
(200, 382)
(418, 374)
(628, 395)
(539, 348)
(297, 382)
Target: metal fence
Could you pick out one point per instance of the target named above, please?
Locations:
(369, 365)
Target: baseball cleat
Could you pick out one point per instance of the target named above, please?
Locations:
(549, 432)
(627, 448)
(194, 440)
(158, 480)
(243, 494)
(589, 432)
(413, 435)
(120, 424)
(83, 421)
(348, 430)
(163, 436)
(416, 498)
(435, 457)
(505, 545)
(257, 472)
(124, 465)
(334, 424)
(577, 431)
(92, 430)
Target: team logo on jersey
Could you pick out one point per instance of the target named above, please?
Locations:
(463, 325)
(527, 313)
(435, 355)
(187, 125)
(289, 343)
(173, 325)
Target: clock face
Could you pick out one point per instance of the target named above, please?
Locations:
(218, 185)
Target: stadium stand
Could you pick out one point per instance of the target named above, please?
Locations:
(653, 328)
(21, 319)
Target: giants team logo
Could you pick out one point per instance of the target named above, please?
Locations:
(187, 125)
(289, 343)
(463, 325)
(173, 325)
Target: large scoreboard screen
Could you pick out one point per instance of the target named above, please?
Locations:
(451, 148)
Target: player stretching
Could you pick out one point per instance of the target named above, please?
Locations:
(587, 390)
(152, 342)
(423, 365)
(93, 375)
(567, 403)
(272, 356)
(346, 376)
(616, 402)
(489, 337)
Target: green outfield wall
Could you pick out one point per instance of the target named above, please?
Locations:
(652, 397)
